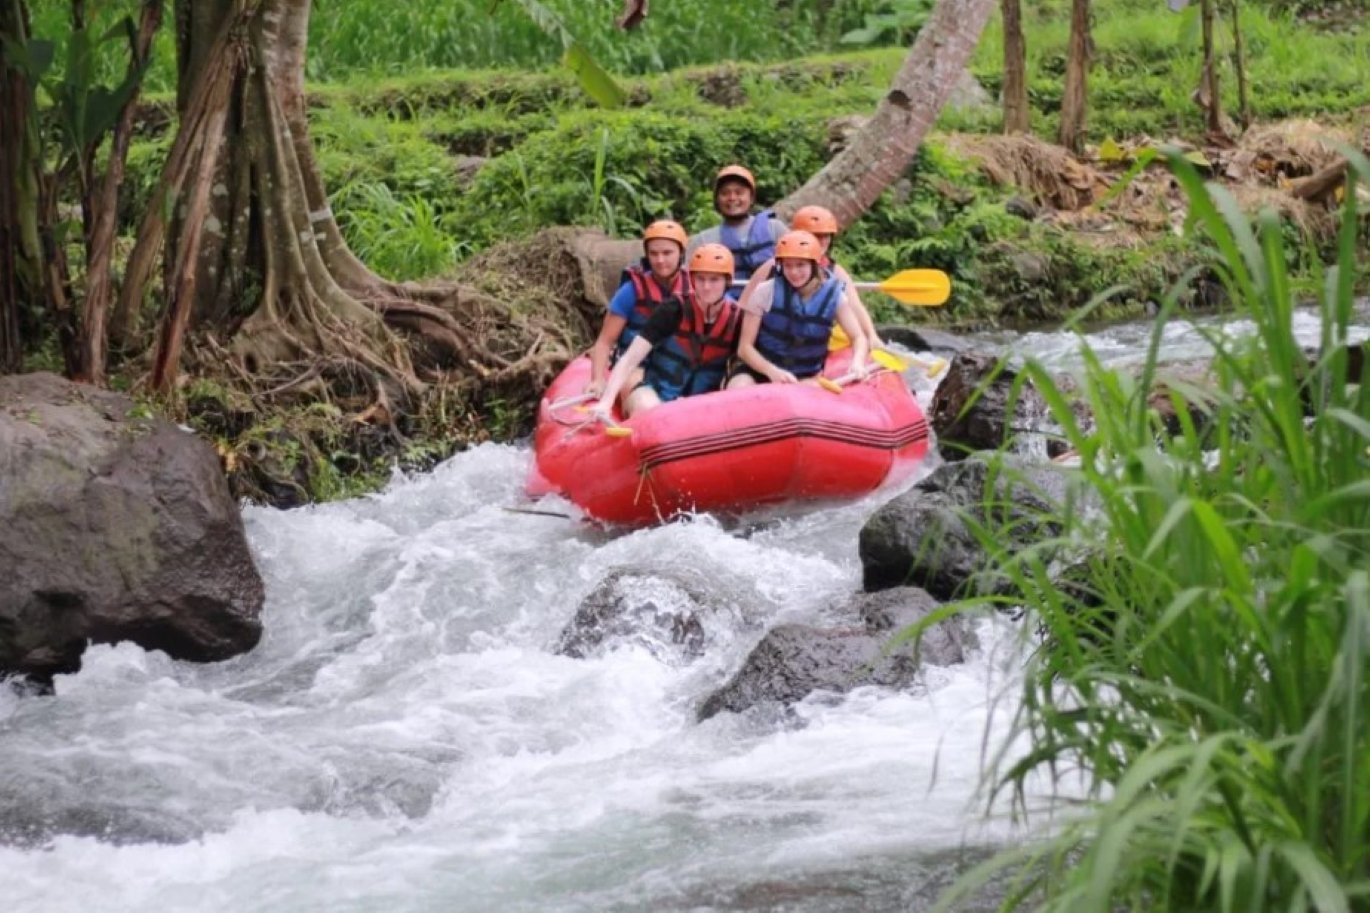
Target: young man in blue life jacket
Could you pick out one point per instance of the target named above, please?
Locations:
(657, 279)
(822, 224)
(750, 237)
(789, 318)
(685, 347)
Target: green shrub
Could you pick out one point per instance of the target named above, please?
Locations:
(1207, 671)
(641, 165)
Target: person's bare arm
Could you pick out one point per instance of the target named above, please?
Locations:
(763, 272)
(863, 316)
(637, 350)
(601, 350)
(860, 347)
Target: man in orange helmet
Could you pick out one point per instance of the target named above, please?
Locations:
(646, 285)
(685, 346)
(750, 237)
(822, 224)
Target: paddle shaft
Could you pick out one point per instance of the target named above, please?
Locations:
(921, 287)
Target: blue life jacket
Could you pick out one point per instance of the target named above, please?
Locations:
(794, 333)
(752, 251)
(649, 294)
(695, 359)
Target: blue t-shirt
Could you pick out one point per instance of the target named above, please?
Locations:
(624, 300)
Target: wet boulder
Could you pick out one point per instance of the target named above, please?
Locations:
(793, 660)
(971, 409)
(113, 527)
(923, 339)
(659, 611)
(925, 537)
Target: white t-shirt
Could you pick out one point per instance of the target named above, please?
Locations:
(763, 296)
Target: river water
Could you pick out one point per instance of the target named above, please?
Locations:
(404, 739)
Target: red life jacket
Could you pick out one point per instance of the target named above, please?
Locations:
(649, 293)
(695, 359)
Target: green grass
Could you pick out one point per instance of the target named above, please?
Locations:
(1147, 64)
(348, 38)
(1207, 672)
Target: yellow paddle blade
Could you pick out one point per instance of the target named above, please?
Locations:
(888, 360)
(934, 368)
(827, 383)
(838, 339)
(923, 287)
(618, 431)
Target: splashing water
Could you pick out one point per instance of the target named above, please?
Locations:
(404, 739)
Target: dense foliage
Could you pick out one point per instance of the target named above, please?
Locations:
(348, 38)
(1205, 672)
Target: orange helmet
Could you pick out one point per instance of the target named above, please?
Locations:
(818, 220)
(799, 245)
(669, 229)
(737, 173)
(712, 258)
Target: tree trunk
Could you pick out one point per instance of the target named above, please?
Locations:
(878, 155)
(1239, 53)
(21, 259)
(1075, 102)
(1208, 81)
(1016, 119)
(254, 252)
(102, 206)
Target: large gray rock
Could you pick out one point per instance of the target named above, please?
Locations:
(792, 661)
(661, 612)
(113, 527)
(923, 339)
(923, 537)
(970, 410)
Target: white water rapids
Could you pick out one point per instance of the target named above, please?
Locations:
(404, 739)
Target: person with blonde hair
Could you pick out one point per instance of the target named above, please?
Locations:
(822, 224)
(788, 319)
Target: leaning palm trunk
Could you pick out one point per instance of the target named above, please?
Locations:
(877, 156)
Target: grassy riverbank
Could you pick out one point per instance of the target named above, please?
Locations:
(1207, 669)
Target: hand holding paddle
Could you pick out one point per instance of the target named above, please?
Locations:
(887, 361)
(612, 428)
(835, 384)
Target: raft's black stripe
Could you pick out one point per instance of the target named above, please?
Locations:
(874, 435)
(895, 439)
(774, 430)
(780, 431)
(708, 446)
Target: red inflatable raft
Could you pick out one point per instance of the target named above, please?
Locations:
(731, 450)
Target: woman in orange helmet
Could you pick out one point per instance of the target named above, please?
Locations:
(788, 319)
(657, 279)
(684, 347)
(822, 224)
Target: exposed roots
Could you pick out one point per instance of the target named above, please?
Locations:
(298, 418)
